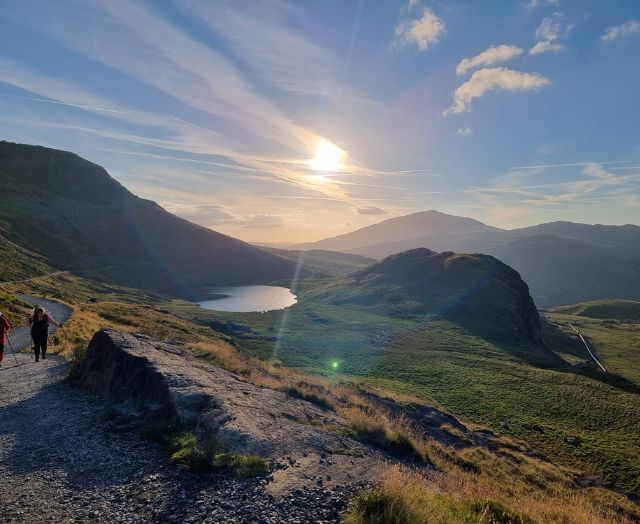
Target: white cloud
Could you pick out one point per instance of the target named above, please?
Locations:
(551, 30)
(553, 27)
(421, 32)
(493, 79)
(464, 131)
(546, 47)
(493, 55)
(628, 28)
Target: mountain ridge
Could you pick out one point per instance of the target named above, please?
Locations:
(563, 262)
(70, 212)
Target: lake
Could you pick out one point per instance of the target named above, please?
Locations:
(245, 299)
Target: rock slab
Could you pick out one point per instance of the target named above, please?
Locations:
(165, 380)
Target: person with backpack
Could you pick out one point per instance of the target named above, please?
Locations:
(39, 323)
(5, 327)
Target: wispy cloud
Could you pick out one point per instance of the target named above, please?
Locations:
(491, 56)
(493, 79)
(422, 31)
(370, 210)
(532, 4)
(539, 187)
(546, 46)
(464, 131)
(628, 28)
(549, 33)
(264, 41)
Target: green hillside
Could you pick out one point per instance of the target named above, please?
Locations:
(17, 263)
(324, 263)
(476, 290)
(628, 310)
(392, 326)
(74, 216)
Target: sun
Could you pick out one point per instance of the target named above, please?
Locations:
(328, 157)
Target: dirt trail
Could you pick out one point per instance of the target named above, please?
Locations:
(61, 461)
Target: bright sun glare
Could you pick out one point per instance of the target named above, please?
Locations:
(328, 157)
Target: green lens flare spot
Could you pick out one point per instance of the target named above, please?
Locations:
(335, 364)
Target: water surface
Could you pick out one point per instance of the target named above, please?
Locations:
(245, 299)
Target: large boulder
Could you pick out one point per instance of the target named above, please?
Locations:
(166, 381)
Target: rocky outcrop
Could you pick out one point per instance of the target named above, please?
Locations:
(476, 290)
(167, 381)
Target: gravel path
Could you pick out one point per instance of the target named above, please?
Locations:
(61, 460)
(20, 336)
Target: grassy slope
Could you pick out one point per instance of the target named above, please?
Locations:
(626, 310)
(17, 263)
(615, 342)
(15, 309)
(486, 382)
(329, 263)
(429, 373)
(76, 217)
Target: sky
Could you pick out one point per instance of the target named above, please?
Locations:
(276, 121)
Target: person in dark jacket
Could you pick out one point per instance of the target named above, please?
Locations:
(39, 323)
(5, 327)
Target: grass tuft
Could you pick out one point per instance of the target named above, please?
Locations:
(394, 436)
(245, 466)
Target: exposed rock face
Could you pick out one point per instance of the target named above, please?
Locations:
(167, 381)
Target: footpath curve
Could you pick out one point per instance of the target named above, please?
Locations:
(20, 337)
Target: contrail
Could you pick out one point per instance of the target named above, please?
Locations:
(57, 102)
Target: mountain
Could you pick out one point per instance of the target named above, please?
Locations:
(431, 229)
(562, 262)
(61, 211)
(474, 290)
(324, 263)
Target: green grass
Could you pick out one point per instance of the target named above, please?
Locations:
(13, 308)
(203, 456)
(473, 381)
(504, 384)
(616, 343)
(625, 310)
(244, 465)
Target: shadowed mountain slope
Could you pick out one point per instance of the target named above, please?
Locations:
(73, 215)
(562, 262)
(477, 291)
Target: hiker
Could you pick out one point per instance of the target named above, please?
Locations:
(5, 327)
(39, 323)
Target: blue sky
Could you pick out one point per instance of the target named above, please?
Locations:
(514, 112)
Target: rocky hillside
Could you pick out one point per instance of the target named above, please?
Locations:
(476, 290)
(65, 212)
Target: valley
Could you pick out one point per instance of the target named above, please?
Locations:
(386, 346)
